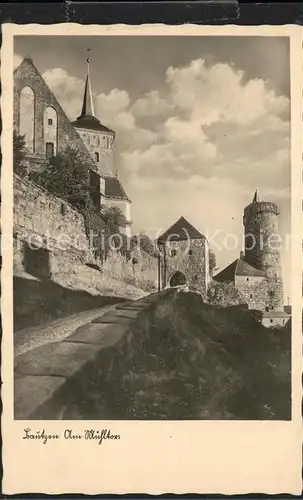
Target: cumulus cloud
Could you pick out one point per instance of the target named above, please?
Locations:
(67, 89)
(210, 133)
(218, 93)
(199, 146)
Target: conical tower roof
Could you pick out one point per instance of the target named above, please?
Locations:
(87, 119)
(88, 103)
(256, 197)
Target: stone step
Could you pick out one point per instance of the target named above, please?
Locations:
(101, 334)
(111, 318)
(31, 392)
(132, 307)
(60, 359)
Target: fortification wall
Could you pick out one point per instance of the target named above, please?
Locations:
(191, 258)
(254, 292)
(50, 242)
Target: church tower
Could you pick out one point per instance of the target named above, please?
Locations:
(263, 245)
(97, 138)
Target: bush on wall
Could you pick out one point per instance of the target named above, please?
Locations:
(68, 177)
(19, 150)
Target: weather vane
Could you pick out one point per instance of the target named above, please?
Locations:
(88, 58)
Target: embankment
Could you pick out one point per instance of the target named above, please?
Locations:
(166, 356)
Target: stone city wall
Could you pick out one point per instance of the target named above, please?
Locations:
(50, 242)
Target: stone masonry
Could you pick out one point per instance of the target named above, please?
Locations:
(27, 75)
(262, 247)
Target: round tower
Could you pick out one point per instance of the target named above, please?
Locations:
(263, 246)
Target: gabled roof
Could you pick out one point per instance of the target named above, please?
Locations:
(238, 268)
(245, 269)
(180, 231)
(114, 189)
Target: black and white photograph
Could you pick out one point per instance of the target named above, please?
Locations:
(151, 281)
(152, 228)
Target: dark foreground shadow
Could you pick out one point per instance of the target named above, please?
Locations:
(185, 360)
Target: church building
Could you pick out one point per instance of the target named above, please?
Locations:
(47, 130)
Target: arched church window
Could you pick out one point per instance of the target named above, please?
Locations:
(50, 127)
(27, 117)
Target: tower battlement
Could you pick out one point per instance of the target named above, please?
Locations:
(262, 251)
(259, 207)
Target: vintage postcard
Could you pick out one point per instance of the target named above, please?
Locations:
(152, 261)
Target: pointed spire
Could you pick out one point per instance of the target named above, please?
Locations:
(256, 197)
(88, 103)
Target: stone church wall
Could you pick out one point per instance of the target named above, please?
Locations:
(50, 242)
(26, 75)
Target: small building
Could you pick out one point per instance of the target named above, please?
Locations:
(251, 282)
(184, 256)
(275, 318)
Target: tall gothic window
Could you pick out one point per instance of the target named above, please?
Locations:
(27, 117)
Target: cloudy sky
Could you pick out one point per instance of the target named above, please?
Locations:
(201, 123)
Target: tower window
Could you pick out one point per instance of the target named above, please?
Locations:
(50, 121)
(97, 157)
(271, 320)
(190, 252)
(173, 253)
(247, 279)
(251, 296)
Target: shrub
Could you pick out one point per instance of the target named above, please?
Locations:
(19, 151)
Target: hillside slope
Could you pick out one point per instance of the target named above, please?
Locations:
(187, 360)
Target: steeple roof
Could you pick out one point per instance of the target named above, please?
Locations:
(87, 119)
(180, 231)
(256, 197)
(88, 103)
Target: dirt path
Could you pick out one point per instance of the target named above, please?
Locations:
(36, 336)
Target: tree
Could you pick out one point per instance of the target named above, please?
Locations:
(212, 261)
(143, 242)
(19, 150)
(114, 218)
(67, 176)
